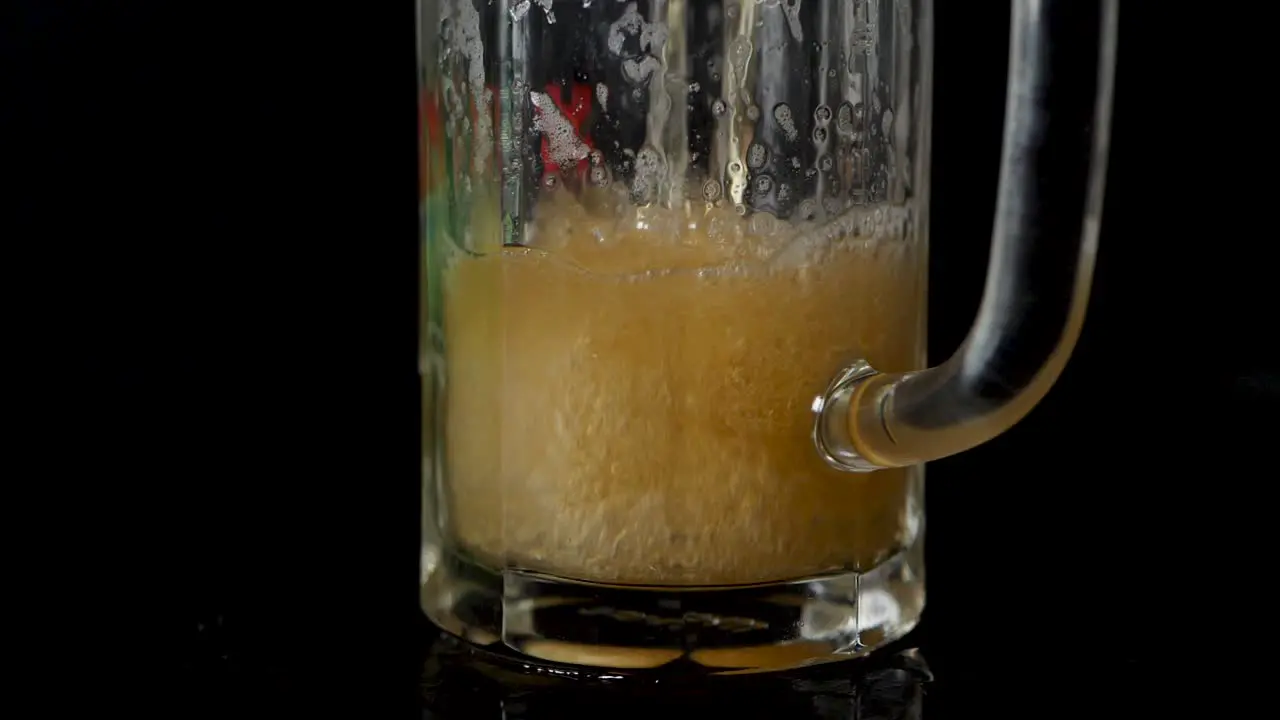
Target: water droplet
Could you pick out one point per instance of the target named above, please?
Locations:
(863, 38)
(740, 209)
(596, 157)
(648, 162)
(764, 184)
(782, 113)
(550, 182)
(599, 176)
(819, 135)
(753, 113)
(711, 190)
(844, 117)
(825, 163)
(735, 167)
(808, 209)
(718, 108)
(757, 155)
(822, 114)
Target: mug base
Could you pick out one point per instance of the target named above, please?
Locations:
(560, 625)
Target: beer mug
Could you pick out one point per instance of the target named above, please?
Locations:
(675, 400)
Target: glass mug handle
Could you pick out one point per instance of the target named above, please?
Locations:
(1052, 173)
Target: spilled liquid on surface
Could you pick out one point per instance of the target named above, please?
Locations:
(628, 401)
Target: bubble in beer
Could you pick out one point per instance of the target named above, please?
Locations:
(757, 155)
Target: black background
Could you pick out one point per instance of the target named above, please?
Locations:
(221, 203)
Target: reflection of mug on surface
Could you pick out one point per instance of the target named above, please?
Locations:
(655, 233)
(461, 682)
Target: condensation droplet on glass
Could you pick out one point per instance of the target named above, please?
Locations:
(638, 94)
(520, 10)
(550, 182)
(718, 108)
(739, 53)
(735, 167)
(825, 163)
(808, 209)
(753, 113)
(764, 184)
(782, 113)
(647, 161)
(886, 122)
(831, 73)
(599, 176)
(740, 209)
(810, 172)
(822, 114)
(819, 135)
(844, 117)
(731, 11)
(711, 190)
(757, 155)
(596, 158)
(795, 163)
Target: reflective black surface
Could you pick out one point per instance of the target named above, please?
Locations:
(461, 682)
(926, 675)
